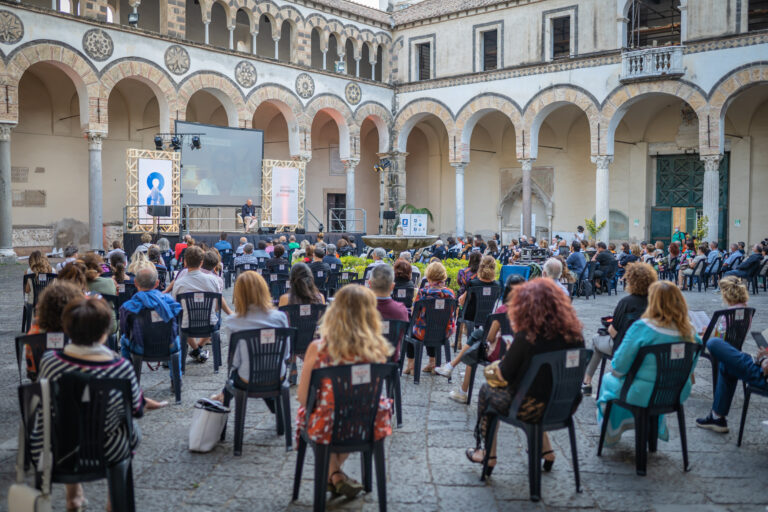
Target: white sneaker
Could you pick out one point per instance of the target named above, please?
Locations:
(458, 396)
(445, 370)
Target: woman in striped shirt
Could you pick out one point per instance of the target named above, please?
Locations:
(87, 322)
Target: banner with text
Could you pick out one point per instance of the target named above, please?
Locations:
(155, 187)
(285, 196)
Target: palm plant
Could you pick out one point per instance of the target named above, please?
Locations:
(409, 208)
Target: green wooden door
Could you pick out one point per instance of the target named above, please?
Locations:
(661, 224)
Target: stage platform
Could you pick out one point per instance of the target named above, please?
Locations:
(133, 240)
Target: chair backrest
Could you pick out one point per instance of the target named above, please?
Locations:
(674, 362)
(481, 299)
(567, 368)
(763, 267)
(114, 302)
(227, 258)
(243, 267)
(162, 276)
(262, 261)
(394, 331)
(197, 307)
(321, 279)
(716, 265)
(504, 325)
(590, 269)
(356, 393)
(38, 344)
(403, 294)
(125, 291)
(157, 336)
(303, 318)
(737, 261)
(81, 407)
(333, 281)
(345, 278)
(699, 268)
(266, 350)
(737, 324)
(30, 403)
(437, 313)
(278, 285)
(37, 283)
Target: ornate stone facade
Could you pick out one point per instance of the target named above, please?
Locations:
(177, 60)
(98, 45)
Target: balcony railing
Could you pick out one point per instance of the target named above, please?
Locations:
(652, 63)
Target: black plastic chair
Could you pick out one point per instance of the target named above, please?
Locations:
(760, 339)
(437, 315)
(227, 265)
(356, 394)
(631, 319)
(567, 368)
(333, 282)
(244, 267)
(197, 307)
(697, 274)
(712, 275)
(506, 330)
(37, 283)
(162, 277)
(480, 299)
(78, 430)
(763, 274)
(113, 341)
(158, 340)
(266, 350)
(303, 318)
(674, 364)
(38, 344)
(403, 294)
(585, 280)
(321, 278)
(737, 324)
(278, 285)
(125, 291)
(394, 331)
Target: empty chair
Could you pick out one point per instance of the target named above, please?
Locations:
(263, 362)
(200, 312)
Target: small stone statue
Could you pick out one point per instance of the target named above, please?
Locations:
(399, 231)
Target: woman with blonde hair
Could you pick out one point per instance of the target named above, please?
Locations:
(139, 261)
(665, 321)
(350, 333)
(434, 289)
(253, 310)
(38, 264)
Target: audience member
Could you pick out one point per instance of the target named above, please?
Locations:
(117, 263)
(689, 267)
(303, 289)
(38, 264)
(439, 250)
(146, 241)
(70, 255)
(469, 272)
(553, 269)
(576, 260)
(138, 261)
(117, 246)
(180, 246)
(98, 284)
(74, 272)
(749, 266)
(331, 259)
(223, 244)
(382, 284)
(248, 257)
(637, 280)
(318, 265)
(665, 321)
(241, 247)
(543, 320)
(606, 266)
(415, 272)
(260, 251)
(350, 333)
(50, 306)
(278, 264)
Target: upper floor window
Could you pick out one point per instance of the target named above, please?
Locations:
(490, 50)
(561, 37)
(757, 16)
(424, 61)
(653, 23)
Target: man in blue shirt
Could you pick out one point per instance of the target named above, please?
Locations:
(576, 261)
(331, 259)
(732, 257)
(750, 265)
(261, 252)
(714, 253)
(222, 244)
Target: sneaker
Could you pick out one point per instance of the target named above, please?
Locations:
(710, 423)
(586, 390)
(458, 396)
(202, 356)
(445, 370)
(194, 354)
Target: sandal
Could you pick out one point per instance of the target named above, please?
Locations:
(347, 487)
(548, 463)
(430, 368)
(408, 371)
(470, 452)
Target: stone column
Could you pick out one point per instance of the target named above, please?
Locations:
(206, 23)
(254, 36)
(349, 169)
(527, 213)
(95, 192)
(231, 37)
(373, 70)
(711, 197)
(325, 54)
(602, 195)
(357, 67)
(277, 47)
(6, 197)
(460, 167)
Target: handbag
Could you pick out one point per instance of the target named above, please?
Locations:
(23, 497)
(602, 342)
(477, 348)
(492, 376)
(208, 423)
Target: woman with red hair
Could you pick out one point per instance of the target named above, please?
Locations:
(543, 320)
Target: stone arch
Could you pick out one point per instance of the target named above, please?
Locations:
(381, 119)
(414, 112)
(207, 6)
(621, 99)
(726, 90)
(224, 89)
(291, 14)
(517, 189)
(476, 108)
(76, 67)
(288, 105)
(248, 7)
(340, 112)
(151, 75)
(315, 21)
(543, 104)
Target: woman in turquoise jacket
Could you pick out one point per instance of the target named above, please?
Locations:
(664, 322)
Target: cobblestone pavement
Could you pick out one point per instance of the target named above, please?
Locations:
(426, 466)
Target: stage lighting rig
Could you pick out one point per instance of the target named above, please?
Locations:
(133, 19)
(158, 143)
(195, 142)
(175, 141)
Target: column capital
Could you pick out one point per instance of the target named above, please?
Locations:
(711, 162)
(275, 39)
(5, 131)
(459, 166)
(350, 164)
(527, 163)
(255, 31)
(602, 161)
(302, 157)
(392, 154)
(95, 139)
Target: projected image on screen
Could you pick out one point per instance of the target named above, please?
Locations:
(226, 170)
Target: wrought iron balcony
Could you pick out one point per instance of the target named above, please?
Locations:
(652, 63)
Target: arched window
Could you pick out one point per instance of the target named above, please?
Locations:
(365, 61)
(265, 47)
(243, 38)
(286, 42)
(317, 52)
(332, 57)
(195, 30)
(379, 64)
(349, 56)
(218, 34)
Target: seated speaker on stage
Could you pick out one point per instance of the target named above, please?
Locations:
(248, 213)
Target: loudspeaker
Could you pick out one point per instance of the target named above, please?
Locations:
(159, 211)
(390, 215)
(300, 231)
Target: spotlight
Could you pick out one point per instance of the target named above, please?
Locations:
(133, 19)
(176, 143)
(158, 143)
(195, 142)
